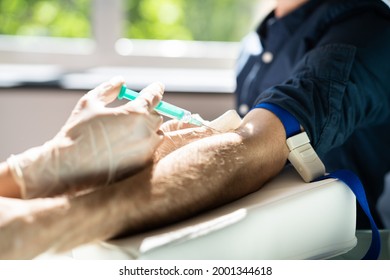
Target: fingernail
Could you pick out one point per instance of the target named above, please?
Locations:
(116, 81)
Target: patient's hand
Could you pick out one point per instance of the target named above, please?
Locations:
(178, 134)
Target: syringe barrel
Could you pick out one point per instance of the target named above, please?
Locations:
(162, 108)
(172, 111)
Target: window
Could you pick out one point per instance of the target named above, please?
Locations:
(45, 18)
(107, 37)
(198, 20)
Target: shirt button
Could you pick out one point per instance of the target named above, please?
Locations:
(267, 57)
(243, 109)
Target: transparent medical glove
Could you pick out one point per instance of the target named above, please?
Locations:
(97, 145)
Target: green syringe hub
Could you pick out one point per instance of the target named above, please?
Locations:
(162, 108)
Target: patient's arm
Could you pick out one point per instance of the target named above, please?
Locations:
(201, 175)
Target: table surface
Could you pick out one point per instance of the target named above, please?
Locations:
(364, 240)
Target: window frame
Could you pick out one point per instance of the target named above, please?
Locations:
(82, 54)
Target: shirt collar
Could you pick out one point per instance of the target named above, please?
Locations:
(289, 23)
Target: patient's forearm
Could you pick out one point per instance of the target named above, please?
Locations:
(201, 175)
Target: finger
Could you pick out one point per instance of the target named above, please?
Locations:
(148, 99)
(106, 92)
(155, 121)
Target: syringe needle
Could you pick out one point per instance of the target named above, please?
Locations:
(212, 128)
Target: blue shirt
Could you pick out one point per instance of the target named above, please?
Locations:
(328, 64)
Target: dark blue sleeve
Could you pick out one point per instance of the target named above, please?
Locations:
(341, 85)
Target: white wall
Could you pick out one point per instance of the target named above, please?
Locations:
(29, 117)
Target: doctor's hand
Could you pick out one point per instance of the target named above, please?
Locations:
(97, 145)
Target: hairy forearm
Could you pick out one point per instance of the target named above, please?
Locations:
(26, 225)
(201, 175)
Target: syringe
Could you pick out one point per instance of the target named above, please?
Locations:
(163, 108)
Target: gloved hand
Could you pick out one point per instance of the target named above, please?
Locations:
(178, 134)
(96, 145)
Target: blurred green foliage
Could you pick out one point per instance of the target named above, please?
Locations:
(65, 18)
(204, 20)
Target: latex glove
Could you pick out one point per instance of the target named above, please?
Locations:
(96, 145)
(178, 134)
